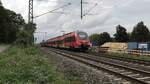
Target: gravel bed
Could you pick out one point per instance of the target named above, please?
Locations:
(76, 70)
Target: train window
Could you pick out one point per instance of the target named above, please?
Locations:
(82, 35)
(69, 39)
(59, 42)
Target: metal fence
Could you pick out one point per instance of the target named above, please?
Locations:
(138, 52)
(131, 52)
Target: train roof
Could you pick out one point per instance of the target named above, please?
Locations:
(64, 35)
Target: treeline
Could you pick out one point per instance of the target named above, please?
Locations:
(140, 33)
(14, 29)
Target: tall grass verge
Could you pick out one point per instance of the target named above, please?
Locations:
(27, 66)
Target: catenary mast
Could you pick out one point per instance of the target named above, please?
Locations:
(0, 3)
(30, 14)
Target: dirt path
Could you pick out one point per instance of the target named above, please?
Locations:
(3, 47)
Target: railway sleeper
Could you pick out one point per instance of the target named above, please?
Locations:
(118, 79)
(127, 73)
(144, 78)
(116, 69)
(126, 82)
(120, 71)
(134, 75)
(148, 82)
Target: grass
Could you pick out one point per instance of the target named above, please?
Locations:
(27, 66)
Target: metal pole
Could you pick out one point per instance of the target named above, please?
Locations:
(45, 35)
(30, 17)
(81, 9)
(0, 3)
(30, 14)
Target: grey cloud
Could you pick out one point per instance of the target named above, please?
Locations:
(109, 13)
(41, 0)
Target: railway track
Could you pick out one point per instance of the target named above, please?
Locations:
(137, 61)
(134, 64)
(133, 75)
(137, 65)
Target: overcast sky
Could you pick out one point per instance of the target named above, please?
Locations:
(105, 16)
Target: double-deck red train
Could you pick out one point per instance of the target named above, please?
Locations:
(74, 40)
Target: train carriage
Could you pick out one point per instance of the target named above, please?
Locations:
(73, 40)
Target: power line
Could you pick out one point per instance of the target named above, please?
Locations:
(53, 11)
(87, 13)
(86, 2)
(59, 1)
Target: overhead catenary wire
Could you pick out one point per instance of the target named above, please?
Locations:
(87, 13)
(59, 1)
(53, 11)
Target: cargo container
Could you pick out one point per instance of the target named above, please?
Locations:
(132, 45)
(148, 46)
(143, 46)
(115, 46)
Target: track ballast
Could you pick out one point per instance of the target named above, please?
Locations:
(131, 74)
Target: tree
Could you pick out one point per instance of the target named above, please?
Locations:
(121, 34)
(103, 38)
(10, 24)
(0, 3)
(3, 23)
(94, 39)
(16, 22)
(30, 28)
(100, 39)
(129, 36)
(14, 29)
(140, 33)
(25, 36)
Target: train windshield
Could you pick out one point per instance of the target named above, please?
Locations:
(83, 35)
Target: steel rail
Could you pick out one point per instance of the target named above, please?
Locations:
(74, 57)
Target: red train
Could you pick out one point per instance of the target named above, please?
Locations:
(73, 40)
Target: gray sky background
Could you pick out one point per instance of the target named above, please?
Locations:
(106, 15)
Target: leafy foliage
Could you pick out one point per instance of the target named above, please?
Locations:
(129, 35)
(25, 36)
(104, 37)
(14, 29)
(3, 20)
(140, 33)
(9, 26)
(94, 39)
(99, 39)
(121, 34)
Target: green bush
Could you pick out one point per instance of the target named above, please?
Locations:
(26, 66)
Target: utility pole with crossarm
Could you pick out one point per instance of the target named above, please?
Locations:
(88, 11)
(30, 14)
(81, 9)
